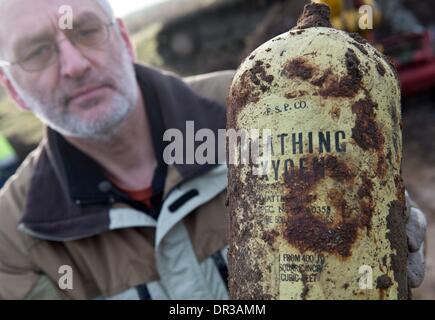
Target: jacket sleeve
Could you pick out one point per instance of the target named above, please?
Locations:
(19, 277)
(213, 85)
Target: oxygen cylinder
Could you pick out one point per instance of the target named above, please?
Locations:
(326, 220)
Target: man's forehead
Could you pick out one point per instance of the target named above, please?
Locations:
(28, 9)
(23, 17)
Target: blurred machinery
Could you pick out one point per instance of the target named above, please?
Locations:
(411, 47)
(414, 56)
(213, 37)
(221, 35)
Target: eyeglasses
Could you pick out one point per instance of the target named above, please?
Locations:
(91, 35)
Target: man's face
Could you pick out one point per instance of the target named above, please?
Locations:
(88, 91)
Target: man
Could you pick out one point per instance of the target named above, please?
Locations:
(96, 199)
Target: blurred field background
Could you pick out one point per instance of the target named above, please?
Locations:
(24, 131)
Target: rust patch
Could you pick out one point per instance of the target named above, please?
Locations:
(361, 48)
(392, 65)
(292, 95)
(382, 166)
(396, 129)
(240, 95)
(366, 188)
(312, 54)
(236, 256)
(366, 215)
(308, 232)
(314, 15)
(245, 271)
(297, 32)
(390, 62)
(357, 37)
(400, 188)
(366, 132)
(366, 205)
(269, 237)
(298, 68)
(335, 113)
(383, 282)
(299, 196)
(381, 294)
(352, 65)
(393, 112)
(319, 81)
(396, 224)
(259, 75)
(360, 42)
(338, 170)
(252, 83)
(381, 69)
(349, 85)
(395, 143)
(336, 197)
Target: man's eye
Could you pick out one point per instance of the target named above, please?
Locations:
(38, 52)
(88, 32)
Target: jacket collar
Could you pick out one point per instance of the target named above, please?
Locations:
(68, 198)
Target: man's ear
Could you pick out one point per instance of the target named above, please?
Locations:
(126, 38)
(7, 84)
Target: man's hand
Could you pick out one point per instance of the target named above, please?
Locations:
(416, 231)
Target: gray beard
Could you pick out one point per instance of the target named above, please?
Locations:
(69, 124)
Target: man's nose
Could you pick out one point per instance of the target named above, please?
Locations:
(73, 64)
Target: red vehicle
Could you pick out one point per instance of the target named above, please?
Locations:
(414, 56)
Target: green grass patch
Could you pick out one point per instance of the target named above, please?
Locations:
(21, 127)
(146, 45)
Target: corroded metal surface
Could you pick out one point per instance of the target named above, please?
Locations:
(333, 202)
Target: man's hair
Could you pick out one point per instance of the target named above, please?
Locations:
(107, 7)
(104, 4)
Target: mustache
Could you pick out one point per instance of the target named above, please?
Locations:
(70, 86)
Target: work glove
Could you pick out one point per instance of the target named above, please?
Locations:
(416, 232)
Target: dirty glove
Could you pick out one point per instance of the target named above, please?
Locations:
(416, 232)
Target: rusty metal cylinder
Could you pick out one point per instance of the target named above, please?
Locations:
(327, 219)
